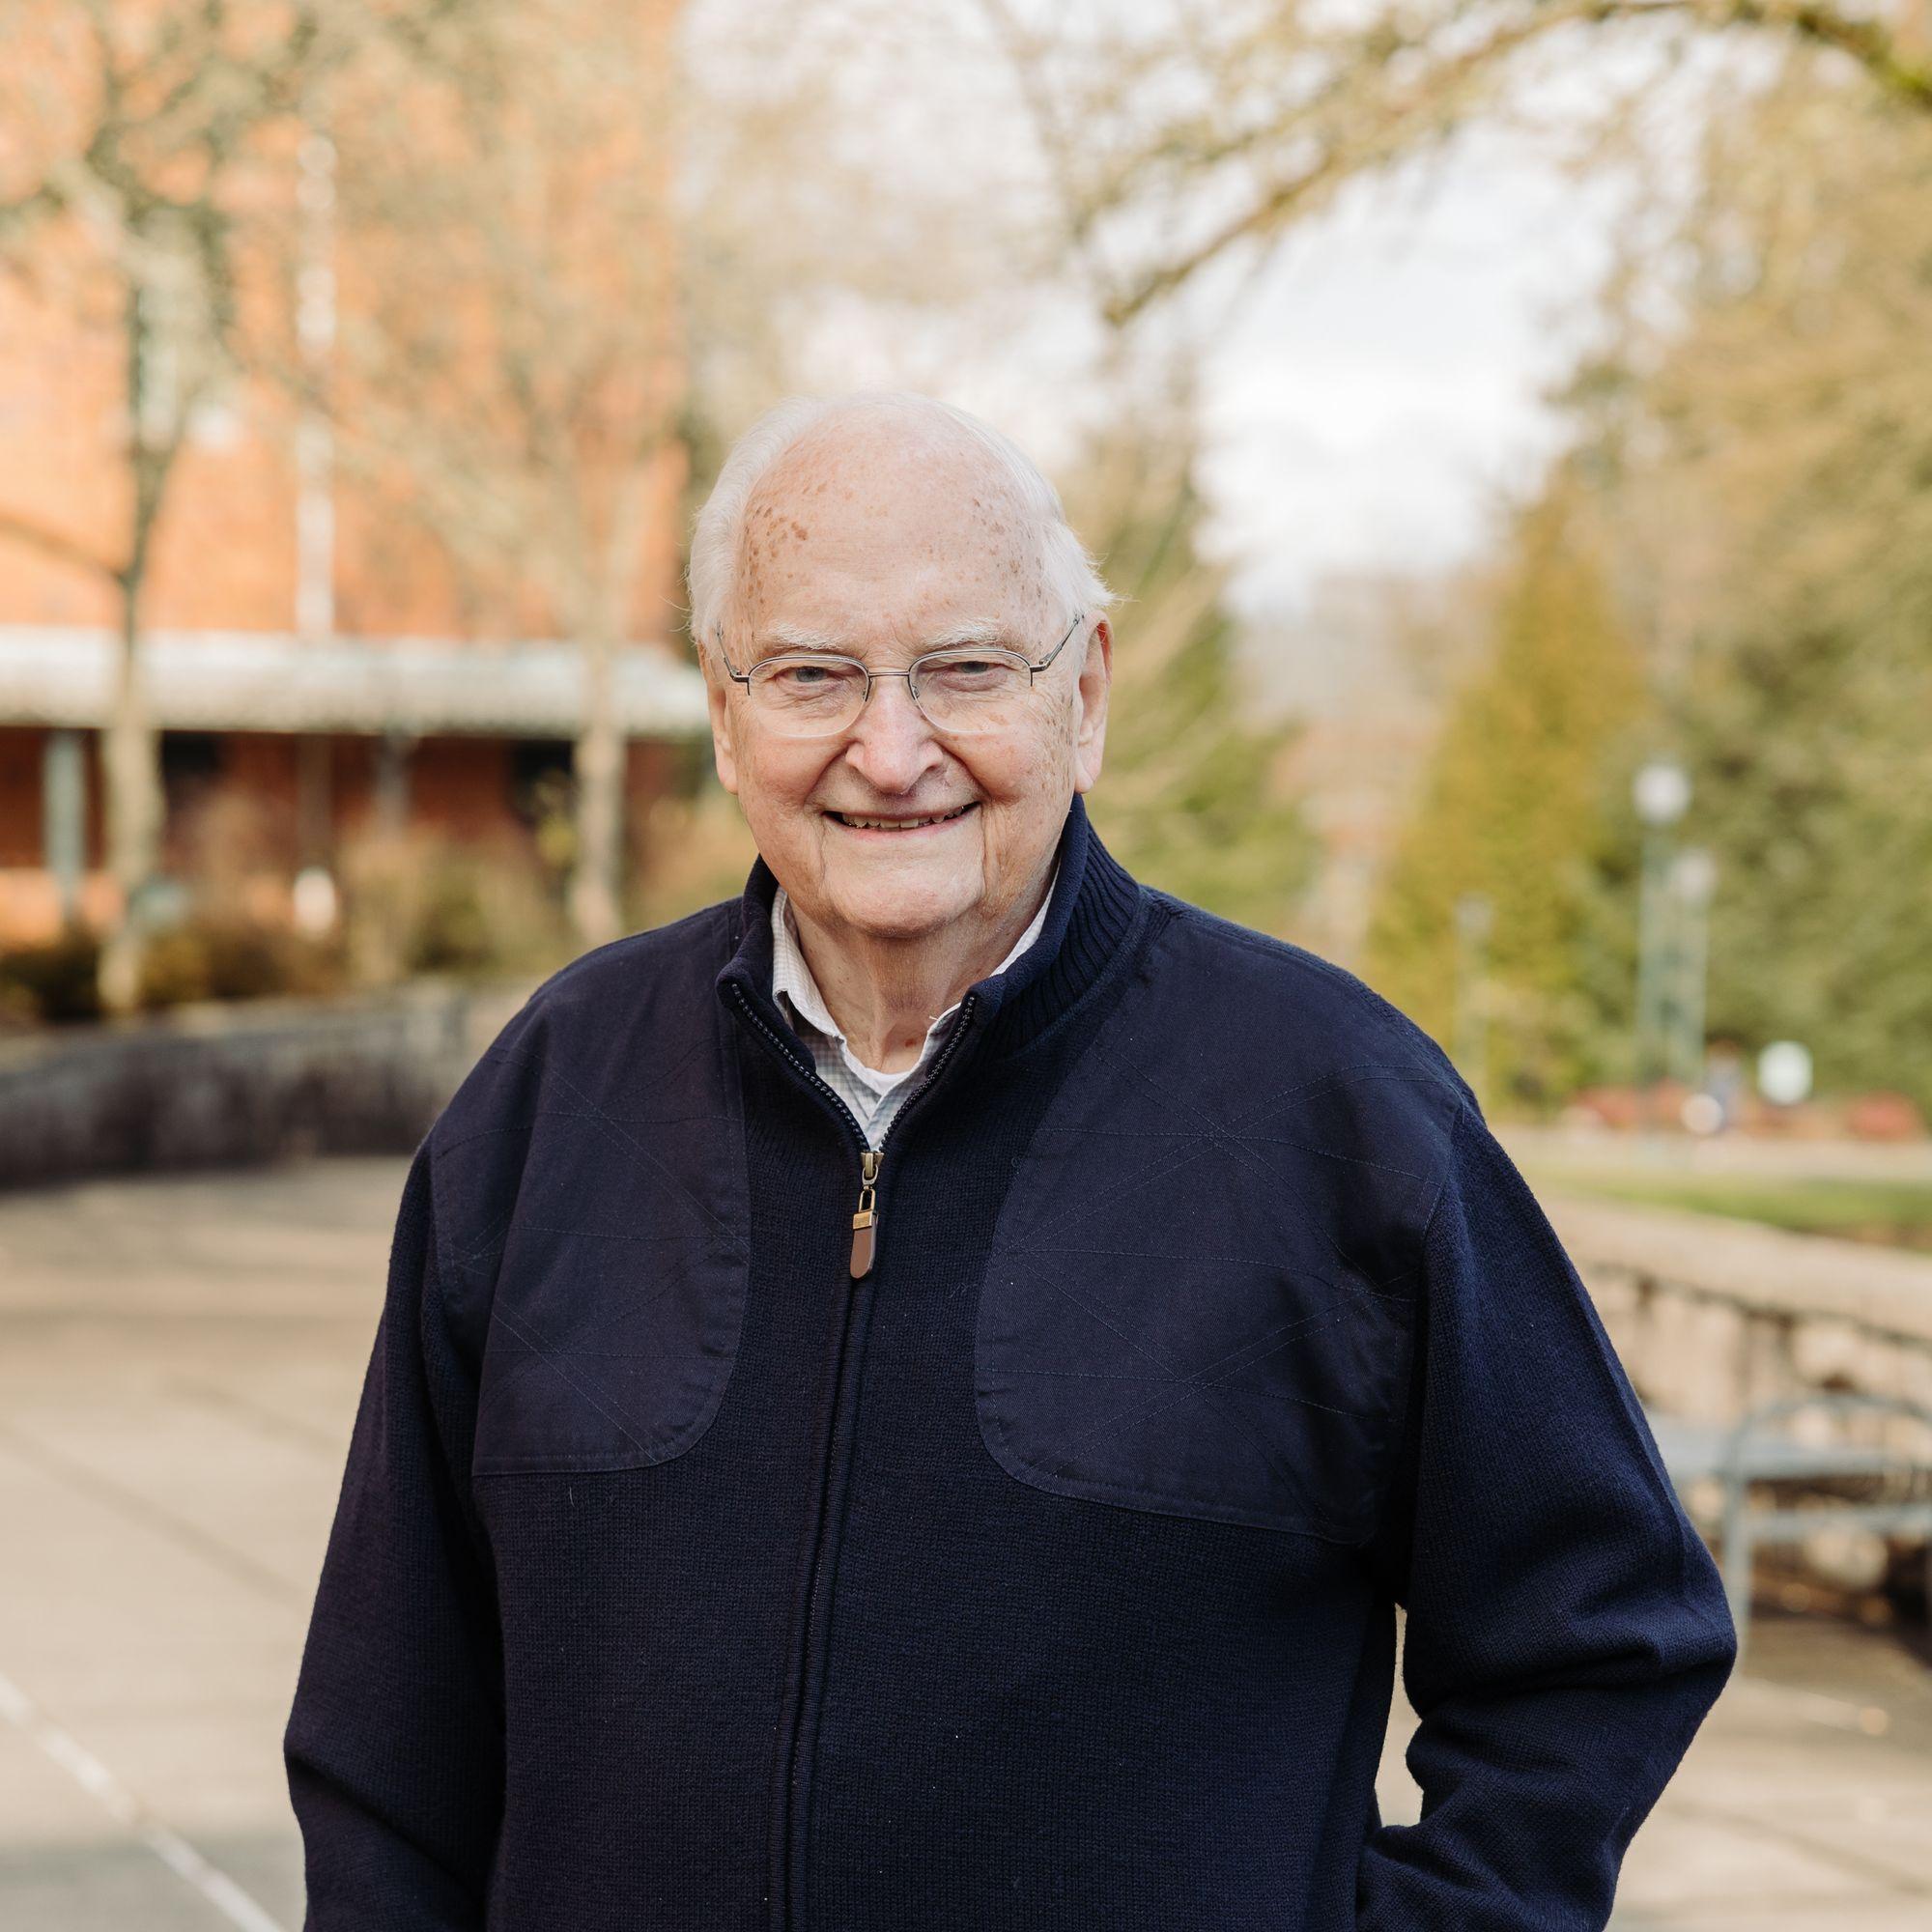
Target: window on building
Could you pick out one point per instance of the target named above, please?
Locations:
(190, 760)
(540, 778)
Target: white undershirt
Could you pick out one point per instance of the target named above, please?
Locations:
(873, 1098)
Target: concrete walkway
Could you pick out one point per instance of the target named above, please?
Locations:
(179, 1365)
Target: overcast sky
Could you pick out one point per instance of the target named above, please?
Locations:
(1388, 376)
(1381, 384)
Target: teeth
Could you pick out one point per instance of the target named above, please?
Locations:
(898, 824)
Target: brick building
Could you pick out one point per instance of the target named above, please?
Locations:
(321, 739)
(309, 648)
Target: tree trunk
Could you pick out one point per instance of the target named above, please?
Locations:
(596, 887)
(606, 587)
(130, 768)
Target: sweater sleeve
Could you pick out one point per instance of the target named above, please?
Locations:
(1566, 1629)
(395, 1744)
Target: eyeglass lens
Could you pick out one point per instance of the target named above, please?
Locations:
(959, 692)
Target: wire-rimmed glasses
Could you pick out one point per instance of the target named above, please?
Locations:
(963, 690)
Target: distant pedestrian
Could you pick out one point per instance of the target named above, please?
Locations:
(1725, 1081)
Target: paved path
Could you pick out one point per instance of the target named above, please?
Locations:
(178, 1364)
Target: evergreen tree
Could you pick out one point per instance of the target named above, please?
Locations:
(1520, 809)
(1193, 797)
(1807, 745)
(1764, 458)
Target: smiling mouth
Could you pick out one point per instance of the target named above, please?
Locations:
(860, 823)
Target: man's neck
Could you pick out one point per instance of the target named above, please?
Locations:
(885, 993)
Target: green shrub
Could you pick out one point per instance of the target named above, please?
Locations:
(56, 980)
(229, 959)
(417, 902)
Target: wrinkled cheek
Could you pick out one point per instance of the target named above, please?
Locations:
(1035, 772)
(776, 786)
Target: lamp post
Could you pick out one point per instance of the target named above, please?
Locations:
(1661, 793)
(1692, 878)
(64, 820)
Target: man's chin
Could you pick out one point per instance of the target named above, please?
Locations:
(897, 902)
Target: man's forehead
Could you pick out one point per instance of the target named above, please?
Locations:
(920, 610)
(782, 631)
(903, 538)
(881, 450)
(853, 482)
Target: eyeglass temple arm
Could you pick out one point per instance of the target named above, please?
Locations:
(1061, 645)
(743, 677)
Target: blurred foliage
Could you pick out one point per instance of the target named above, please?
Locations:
(52, 981)
(1733, 565)
(420, 901)
(1192, 797)
(230, 958)
(690, 844)
(203, 957)
(1522, 806)
(1181, 140)
(1762, 453)
(412, 903)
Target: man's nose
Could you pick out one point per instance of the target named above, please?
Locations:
(892, 746)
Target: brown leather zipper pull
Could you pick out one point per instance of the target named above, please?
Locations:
(866, 1220)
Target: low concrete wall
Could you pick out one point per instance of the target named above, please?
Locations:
(1712, 1316)
(228, 1086)
(1709, 1316)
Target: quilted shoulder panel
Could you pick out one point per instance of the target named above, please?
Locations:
(1201, 1295)
(591, 1195)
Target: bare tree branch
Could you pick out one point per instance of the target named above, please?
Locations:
(1335, 106)
(56, 544)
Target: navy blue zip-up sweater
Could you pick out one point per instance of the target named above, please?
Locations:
(1042, 1579)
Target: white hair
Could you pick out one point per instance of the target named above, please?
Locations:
(1068, 573)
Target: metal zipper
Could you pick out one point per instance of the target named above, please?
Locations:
(865, 1218)
(864, 1234)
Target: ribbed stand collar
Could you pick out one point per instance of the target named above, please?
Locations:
(1095, 908)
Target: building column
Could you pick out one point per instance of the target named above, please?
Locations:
(63, 818)
(393, 750)
(315, 800)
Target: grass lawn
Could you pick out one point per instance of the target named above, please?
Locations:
(1889, 1213)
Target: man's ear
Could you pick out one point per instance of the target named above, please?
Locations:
(1096, 681)
(717, 693)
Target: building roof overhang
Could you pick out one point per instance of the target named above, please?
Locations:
(63, 675)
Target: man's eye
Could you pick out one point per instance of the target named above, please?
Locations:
(964, 672)
(802, 680)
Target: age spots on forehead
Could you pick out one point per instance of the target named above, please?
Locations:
(799, 531)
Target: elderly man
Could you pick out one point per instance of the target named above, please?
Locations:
(908, 1400)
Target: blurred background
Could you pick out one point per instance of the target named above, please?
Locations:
(1509, 426)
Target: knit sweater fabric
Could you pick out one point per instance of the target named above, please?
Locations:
(1045, 1576)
